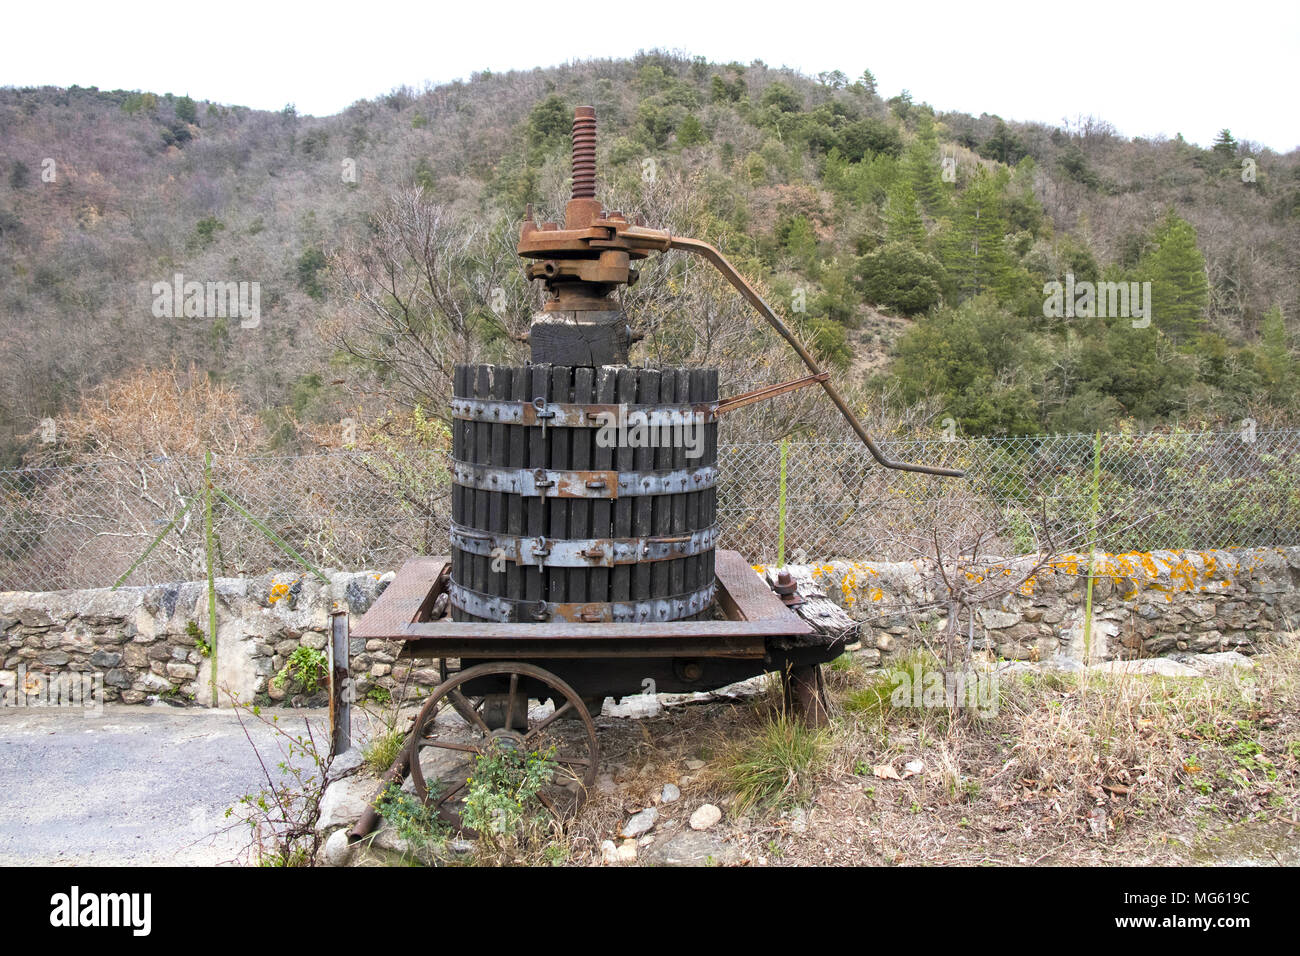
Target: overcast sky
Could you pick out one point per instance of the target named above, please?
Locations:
(1166, 67)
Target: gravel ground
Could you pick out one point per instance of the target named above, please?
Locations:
(133, 785)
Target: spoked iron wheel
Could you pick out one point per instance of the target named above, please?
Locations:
(501, 719)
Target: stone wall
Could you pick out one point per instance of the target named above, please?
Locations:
(1145, 604)
(147, 641)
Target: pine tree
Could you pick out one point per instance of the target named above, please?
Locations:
(973, 251)
(922, 168)
(1275, 362)
(690, 132)
(1175, 268)
(902, 220)
(1225, 145)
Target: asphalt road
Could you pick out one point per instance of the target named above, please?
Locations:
(132, 785)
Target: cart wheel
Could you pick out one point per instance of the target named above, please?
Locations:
(577, 752)
(459, 701)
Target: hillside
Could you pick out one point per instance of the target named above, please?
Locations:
(916, 243)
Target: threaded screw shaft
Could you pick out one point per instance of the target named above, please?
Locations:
(584, 153)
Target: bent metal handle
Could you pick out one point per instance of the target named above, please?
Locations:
(720, 262)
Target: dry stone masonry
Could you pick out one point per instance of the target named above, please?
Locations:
(149, 643)
(1145, 604)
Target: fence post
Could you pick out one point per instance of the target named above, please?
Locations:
(1092, 547)
(340, 695)
(212, 581)
(780, 505)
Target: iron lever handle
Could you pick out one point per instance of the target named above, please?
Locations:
(709, 252)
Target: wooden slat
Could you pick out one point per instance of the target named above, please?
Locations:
(580, 443)
(517, 457)
(602, 510)
(643, 507)
(621, 576)
(535, 508)
(741, 644)
(557, 582)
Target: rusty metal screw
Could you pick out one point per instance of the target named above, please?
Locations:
(584, 153)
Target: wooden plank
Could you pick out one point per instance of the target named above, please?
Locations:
(514, 647)
(535, 508)
(621, 577)
(759, 612)
(580, 442)
(482, 452)
(557, 589)
(489, 631)
(602, 510)
(459, 431)
(695, 578)
(660, 575)
(744, 593)
(643, 507)
(517, 457)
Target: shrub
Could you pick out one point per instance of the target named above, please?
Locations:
(901, 277)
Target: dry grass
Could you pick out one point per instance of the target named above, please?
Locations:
(1071, 769)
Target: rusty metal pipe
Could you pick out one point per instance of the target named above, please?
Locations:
(709, 252)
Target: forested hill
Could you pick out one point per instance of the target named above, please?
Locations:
(912, 247)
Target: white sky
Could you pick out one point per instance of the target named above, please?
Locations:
(1166, 67)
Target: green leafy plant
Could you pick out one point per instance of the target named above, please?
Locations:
(306, 665)
(503, 804)
(200, 640)
(412, 820)
(282, 816)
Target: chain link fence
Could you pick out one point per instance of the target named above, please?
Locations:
(86, 525)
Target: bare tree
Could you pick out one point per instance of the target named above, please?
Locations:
(425, 291)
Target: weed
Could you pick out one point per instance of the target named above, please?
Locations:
(306, 665)
(282, 816)
(382, 749)
(412, 820)
(775, 767)
(195, 632)
(503, 803)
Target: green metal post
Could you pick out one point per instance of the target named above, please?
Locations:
(1092, 547)
(212, 581)
(780, 505)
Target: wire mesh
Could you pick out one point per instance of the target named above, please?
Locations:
(84, 525)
